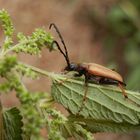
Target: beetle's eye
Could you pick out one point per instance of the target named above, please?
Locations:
(72, 66)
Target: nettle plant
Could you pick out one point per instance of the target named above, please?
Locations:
(105, 109)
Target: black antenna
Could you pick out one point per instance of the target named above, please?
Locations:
(67, 59)
(62, 40)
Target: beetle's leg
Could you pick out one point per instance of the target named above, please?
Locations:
(106, 81)
(114, 82)
(94, 79)
(78, 74)
(123, 91)
(125, 95)
(75, 75)
(85, 93)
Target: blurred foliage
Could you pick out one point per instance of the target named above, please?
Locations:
(124, 20)
(118, 28)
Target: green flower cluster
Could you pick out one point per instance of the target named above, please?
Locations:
(6, 23)
(12, 71)
(6, 65)
(34, 43)
(8, 28)
(35, 107)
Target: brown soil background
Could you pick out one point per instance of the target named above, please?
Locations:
(30, 14)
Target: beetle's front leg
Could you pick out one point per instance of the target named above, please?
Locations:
(75, 75)
(78, 74)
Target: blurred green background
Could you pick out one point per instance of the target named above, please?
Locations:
(117, 28)
(105, 32)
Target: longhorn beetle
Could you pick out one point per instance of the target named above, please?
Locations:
(93, 73)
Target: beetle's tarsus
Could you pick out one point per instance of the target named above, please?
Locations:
(126, 97)
(123, 90)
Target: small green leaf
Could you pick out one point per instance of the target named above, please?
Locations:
(12, 124)
(59, 127)
(77, 131)
(104, 104)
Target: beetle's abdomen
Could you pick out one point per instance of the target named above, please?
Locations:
(99, 70)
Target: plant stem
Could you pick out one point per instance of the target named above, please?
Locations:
(12, 48)
(38, 70)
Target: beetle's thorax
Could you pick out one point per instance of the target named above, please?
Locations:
(74, 67)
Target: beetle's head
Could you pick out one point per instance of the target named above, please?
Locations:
(71, 67)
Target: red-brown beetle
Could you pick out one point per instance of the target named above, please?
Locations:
(94, 73)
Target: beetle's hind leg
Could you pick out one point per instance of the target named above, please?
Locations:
(122, 89)
(114, 82)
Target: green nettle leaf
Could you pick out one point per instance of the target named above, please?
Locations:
(12, 124)
(105, 108)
